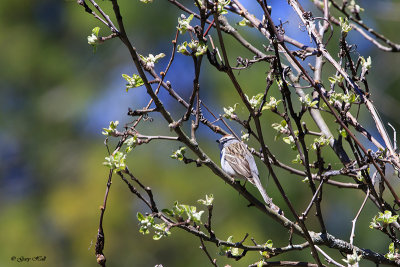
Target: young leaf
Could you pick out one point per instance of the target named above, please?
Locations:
(184, 24)
(208, 201)
(256, 100)
(116, 162)
(150, 60)
(230, 112)
(133, 82)
(272, 104)
(111, 128)
(179, 154)
(244, 22)
(345, 25)
(93, 39)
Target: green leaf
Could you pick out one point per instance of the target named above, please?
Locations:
(150, 60)
(336, 79)
(197, 48)
(160, 230)
(235, 252)
(140, 216)
(245, 22)
(116, 162)
(96, 31)
(230, 112)
(144, 231)
(307, 101)
(391, 247)
(93, 39)
(352, 259)
(177, 210)
(157, 237)
(320, 142)
(168, 212)
(208, 201)
(332, 80)
(266, 254)
(345, 25)
(256, 100)
(280, 128)
(130, 143)
(279, 82)
(382, 220)
(346, 98)
(245, 136)
(366, 63)
(111, 128)
(269, 244)
(224, 249)
(192, 214)
(343, 133)
(196, 216)
(288, 140)
(306, 180)
(352, 98)
(145, 223)
(189, 212)
(201, 50)
(297, 160)
(359, 176)
(179, 154)
(353, 7)
(393, 253)
(276, 126)
(221, 5)
(133, 82)
(181, 48)
(184, 23)
(272, 104)
(199, 2)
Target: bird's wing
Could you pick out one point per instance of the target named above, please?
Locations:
(235, 157)
(252, 163)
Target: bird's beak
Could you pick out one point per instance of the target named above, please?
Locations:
(217, 141)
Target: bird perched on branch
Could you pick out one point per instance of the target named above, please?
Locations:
(238, 162)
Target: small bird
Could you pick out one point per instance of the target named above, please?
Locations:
(238, 162)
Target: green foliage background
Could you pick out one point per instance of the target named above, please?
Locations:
(56, 95)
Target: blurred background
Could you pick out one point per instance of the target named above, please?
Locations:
(57, 95)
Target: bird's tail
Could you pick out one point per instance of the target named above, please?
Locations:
(256, 181)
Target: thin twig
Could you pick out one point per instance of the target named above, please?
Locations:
(203, 247)
(355, 218)
(328, 258)
(101, 259)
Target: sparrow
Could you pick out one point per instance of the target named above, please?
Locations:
(239, 163)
